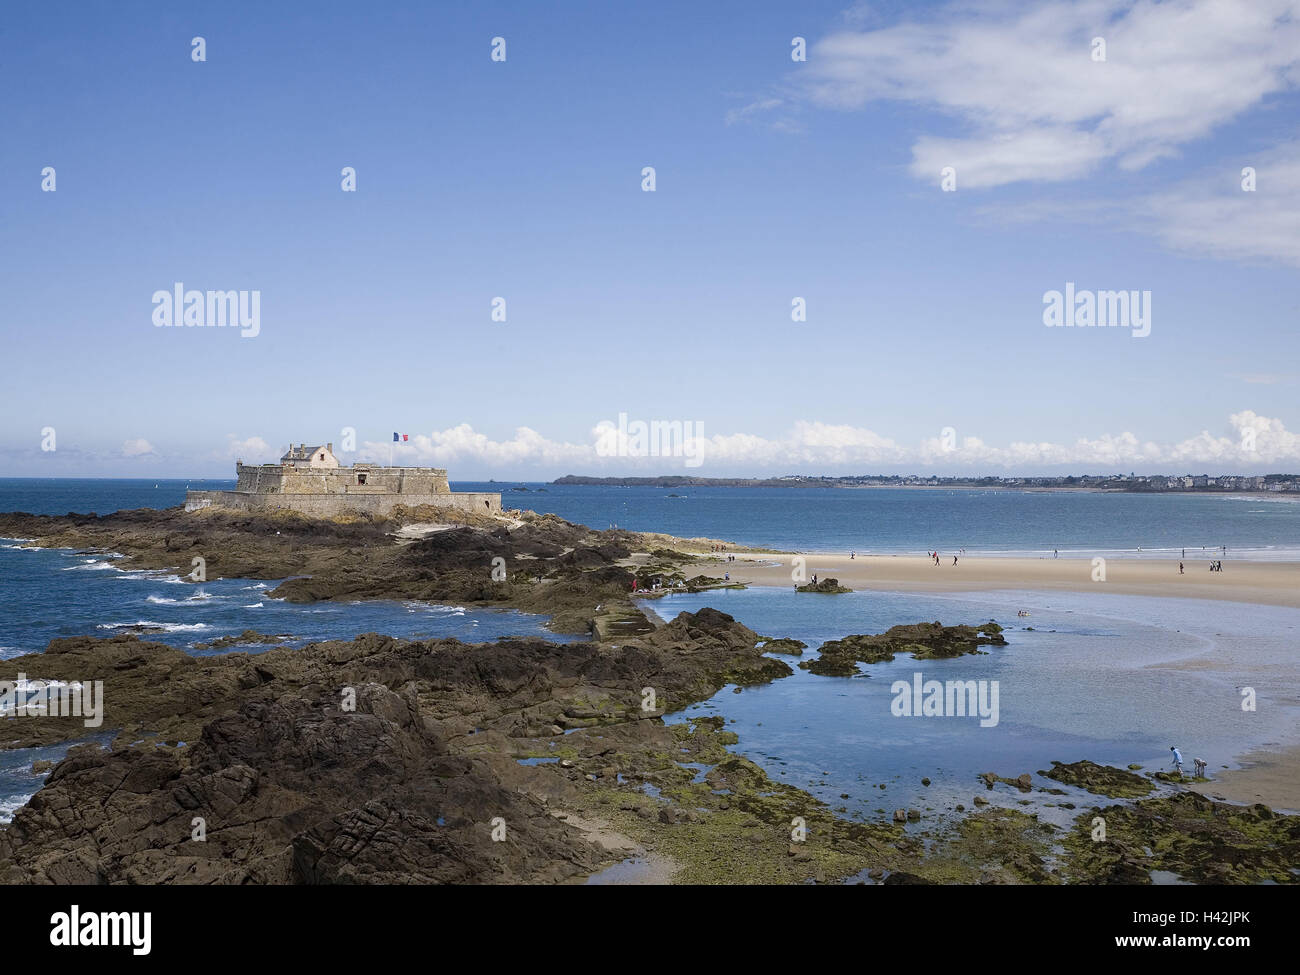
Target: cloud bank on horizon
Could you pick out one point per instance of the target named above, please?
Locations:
(1248, 444)
(1255, 444)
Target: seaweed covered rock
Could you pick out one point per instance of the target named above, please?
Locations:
(823, 585)
(1102, 779)
(1195, 838)
(830, 666)
(924, 641)
(785, 646)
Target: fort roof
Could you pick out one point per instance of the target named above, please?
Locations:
(303, 452)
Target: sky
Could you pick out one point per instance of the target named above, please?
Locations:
(919, 185)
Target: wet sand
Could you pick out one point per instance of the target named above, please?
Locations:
(1272, 778)
(1271, 583)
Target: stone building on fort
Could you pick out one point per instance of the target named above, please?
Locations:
(311, 481)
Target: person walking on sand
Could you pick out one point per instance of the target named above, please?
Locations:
(954, 560)
(1178, 759)
(1180, 568)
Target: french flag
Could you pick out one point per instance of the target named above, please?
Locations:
(400, 437)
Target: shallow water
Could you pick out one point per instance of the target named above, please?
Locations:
(1115, 679)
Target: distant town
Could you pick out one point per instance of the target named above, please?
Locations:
(1262, 483)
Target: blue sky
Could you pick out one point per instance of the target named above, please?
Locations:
(774, 180)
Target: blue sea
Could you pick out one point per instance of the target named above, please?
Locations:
(870, 520)
(1108, 677)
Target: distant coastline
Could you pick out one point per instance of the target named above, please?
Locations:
(1225, 484)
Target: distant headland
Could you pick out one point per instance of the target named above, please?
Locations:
(1141, 483)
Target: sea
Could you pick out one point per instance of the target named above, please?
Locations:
(886, 521)
(1112, 678)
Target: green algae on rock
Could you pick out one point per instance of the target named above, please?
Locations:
(823, 585)
(1198, 839)
(995, 846)
(924, 641)
(784, 645)
(1100, 779)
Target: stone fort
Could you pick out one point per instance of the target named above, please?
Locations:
(310, 480)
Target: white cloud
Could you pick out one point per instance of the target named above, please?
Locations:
(462, 443)
(1207, 215)
(1262, 378)
(1012, 95)
(1030, 103)
(137, 448)
(253, 450)
(814, 448)
(1214, 216)
(746, 112)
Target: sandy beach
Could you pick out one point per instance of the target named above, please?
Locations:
(1272, 583)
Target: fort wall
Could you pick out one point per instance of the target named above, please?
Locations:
(331, 504)
(359, 479)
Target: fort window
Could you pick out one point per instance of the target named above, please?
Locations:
(361, 479)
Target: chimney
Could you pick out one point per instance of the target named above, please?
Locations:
(329, 447)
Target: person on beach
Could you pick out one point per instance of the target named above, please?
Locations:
(954, 560)
(1180, 568)
(1178, 759)
(1056, 553)
(1199, 765)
